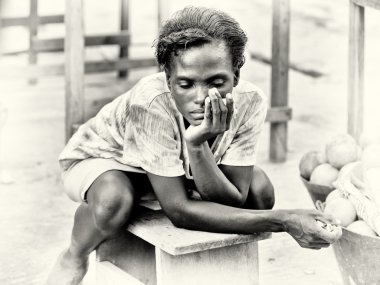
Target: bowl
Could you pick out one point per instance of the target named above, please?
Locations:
(316, 192)
(358, 258)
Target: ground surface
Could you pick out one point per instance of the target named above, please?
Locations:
(36, 217)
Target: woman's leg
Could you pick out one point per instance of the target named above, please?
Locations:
(261, 192)
(110, 202)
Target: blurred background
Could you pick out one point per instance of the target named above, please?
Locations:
(37, 216)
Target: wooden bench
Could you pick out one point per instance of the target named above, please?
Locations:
(153, 251)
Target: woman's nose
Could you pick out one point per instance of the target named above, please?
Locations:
(201, 94)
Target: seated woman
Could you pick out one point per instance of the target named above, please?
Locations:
(194, 126)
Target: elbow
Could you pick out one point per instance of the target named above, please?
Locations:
(177, 215)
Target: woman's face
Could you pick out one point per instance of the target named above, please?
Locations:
(196, 70)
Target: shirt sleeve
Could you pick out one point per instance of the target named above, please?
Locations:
(244, 146)
(151, 140)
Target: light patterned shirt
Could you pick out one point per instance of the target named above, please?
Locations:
(144, 129)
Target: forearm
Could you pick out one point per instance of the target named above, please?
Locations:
(213, 217)
(210, 181)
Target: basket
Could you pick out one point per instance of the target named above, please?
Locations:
(316, 192)
(358, 258)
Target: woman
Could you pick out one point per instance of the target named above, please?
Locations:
(193, 126)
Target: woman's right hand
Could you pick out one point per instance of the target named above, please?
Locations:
(306, 227)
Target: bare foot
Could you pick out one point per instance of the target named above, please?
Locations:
(68, 270)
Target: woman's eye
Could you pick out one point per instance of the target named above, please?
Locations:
(185, 85)
(217, 83)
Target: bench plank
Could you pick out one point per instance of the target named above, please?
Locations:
(155, 228)
(236, 264)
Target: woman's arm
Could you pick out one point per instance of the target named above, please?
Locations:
(214, 217)
(212, 183)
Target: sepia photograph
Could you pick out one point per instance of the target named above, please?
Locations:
(164, 142)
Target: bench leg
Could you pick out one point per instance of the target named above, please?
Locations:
(128, 254)
(236, 264)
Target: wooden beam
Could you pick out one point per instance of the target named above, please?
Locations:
(162, 12)
(90, 67)
(279, 77)
(368, 3)
(74, 65)
(24, 21)
(124, 26)
(279, 115)
(57, 44)
(33, 30)
(356, 71)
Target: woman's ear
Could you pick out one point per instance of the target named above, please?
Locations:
(236, 77)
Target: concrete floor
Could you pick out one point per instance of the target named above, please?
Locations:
(37, 217)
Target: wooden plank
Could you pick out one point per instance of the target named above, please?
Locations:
(24, 21)
(356, 71)
(279, 77)
(103, 66)
(236, 264)
(130, 254)
(57, 44)
(162, 12)
(279, 114)
(74, 65)
(90, 67)
(124, 26)
(33, 29)
(155, 228)
(293, 66)
(368, 3)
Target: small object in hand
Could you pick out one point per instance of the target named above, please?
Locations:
(326, 226)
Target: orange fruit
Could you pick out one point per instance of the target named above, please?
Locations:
(341, 150)
(324, 174)
(341, 209)
(333, 195)
(309, 161)
(361, 227)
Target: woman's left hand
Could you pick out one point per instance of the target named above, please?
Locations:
(217, 118)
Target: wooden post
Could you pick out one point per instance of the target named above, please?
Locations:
(74, 65)
(279, 78)
(162, 12)
(124, 26)
(356, 70)
(33, 29)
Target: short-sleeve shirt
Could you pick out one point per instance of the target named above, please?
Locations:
(143, 128)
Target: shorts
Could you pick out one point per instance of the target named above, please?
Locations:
(80, 176)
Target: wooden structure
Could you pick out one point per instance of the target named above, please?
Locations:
(279, 82)
(76, 67)
(356, 65)
(32, 22)
(37, 45)
(153, 251)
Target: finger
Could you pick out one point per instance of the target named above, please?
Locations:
(208, 113)
(230, 108)
(331, 236)
(223, 113)
(215, 107)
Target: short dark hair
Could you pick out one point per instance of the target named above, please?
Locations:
(195, 26)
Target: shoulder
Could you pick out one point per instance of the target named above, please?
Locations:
(151, 98)
(249, 98)
(149, 89)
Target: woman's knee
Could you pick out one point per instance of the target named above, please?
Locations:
(262, 190)
(111, 199)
